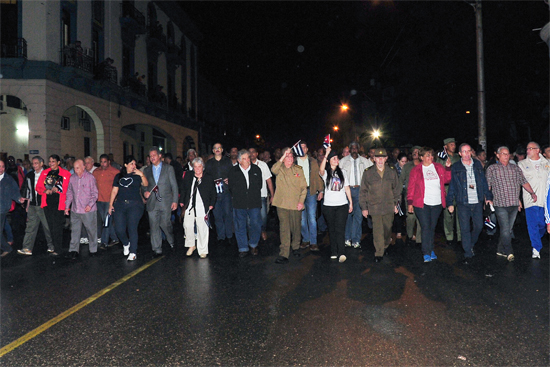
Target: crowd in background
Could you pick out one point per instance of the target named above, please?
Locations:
(394, 194)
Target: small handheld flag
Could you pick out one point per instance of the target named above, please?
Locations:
(443, 154)
(326, 143)
(297, 149)
(157, 193)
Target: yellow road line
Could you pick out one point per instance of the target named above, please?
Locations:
(8, 348)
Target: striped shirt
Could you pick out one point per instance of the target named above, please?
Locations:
(505, 182)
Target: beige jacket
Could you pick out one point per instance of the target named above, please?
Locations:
(291, 186)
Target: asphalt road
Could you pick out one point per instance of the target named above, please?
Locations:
(242, 312)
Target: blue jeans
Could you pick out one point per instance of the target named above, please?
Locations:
(126, 217)
(470, 236)
(506, 216)
(9, 232)
(428, 216)
(104, 232)
(223, 215)
(309, 219)
(355, 218)
(241, 217)
(535, 225)
(263, 212)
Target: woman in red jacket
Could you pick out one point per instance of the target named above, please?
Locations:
(426, 196)
(52, 185)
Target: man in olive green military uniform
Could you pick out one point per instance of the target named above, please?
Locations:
(449, 220)
(378, 197)
(404, 182)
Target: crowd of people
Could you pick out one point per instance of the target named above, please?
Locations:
(230, 196)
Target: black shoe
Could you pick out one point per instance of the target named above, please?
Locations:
(377, 259)
(222, 242)
(243, 254)
(297, 254)
(449, 243)
(467, 261)
(103, 247)
(73, 255)
(157, 254)
(93, 254)
(281, 260)
(113, 243)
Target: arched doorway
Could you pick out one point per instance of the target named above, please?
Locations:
(14, 127)
(81, 133)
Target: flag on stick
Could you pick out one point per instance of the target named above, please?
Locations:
(297, 149)
(326, 143)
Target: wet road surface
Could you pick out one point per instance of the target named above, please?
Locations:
(229, 311)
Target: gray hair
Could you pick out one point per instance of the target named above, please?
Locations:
(154, 149)
(502, 147)
(90, 158)
(197, 160)
(243, 152)
(535, 143)
(40, 159)
(353, 143)
(191, 150)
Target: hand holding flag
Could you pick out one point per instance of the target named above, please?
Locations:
(326, 143)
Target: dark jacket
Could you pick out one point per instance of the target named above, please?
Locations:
(219, 169)
(9, 190)
(28, 190)
(241, 196)
(206, 188)
(458, 189)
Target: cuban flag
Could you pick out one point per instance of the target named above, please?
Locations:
(489, 224)
(157, 193)
(297, 149)
(443, 154)
(326, 143)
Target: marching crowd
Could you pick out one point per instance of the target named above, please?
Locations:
(401, 192)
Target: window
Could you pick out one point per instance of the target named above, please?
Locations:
(87, 145)
(86, 125)
(65, 123)
(98, 9)
(66, 27)
(142, 136)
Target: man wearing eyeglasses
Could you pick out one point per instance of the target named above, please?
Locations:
(535, 169)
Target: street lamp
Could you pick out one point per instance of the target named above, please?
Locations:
(335, 128)
(344, 107)
(376, 134)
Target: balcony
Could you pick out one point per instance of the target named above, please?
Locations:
(16, 49)
(77, 57)
(132, 18)
(106, 71)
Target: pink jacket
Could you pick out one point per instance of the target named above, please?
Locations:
(415, 190)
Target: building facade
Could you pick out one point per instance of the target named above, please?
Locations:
(92, 77)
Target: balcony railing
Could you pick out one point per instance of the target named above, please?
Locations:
(17, 49)
(130, 11)
(77, 57)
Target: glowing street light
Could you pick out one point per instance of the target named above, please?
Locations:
(376, 134)
(258, 136)
(335, 128)
(344, 107)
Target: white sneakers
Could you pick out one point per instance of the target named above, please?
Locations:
(84, 241)
(536, 254)
(132, 257)
(347, 243)
(342, 258)
(127, 249)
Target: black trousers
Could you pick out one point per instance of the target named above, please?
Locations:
(56, 222)
(336, 217)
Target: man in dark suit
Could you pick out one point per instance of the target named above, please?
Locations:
(162, 199)
(245, 184)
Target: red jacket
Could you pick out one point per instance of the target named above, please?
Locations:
(40, 188)
(415, 190)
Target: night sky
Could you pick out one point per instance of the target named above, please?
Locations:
(289, 65)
